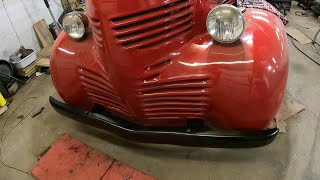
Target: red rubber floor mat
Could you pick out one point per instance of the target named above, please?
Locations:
(69, 158)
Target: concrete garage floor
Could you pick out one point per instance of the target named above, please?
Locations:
(295, 155)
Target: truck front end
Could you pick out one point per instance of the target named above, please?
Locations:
(167, 71)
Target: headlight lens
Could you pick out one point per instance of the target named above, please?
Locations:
(225, 23)
(75, 24)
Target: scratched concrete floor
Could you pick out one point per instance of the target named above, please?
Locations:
(295, 155)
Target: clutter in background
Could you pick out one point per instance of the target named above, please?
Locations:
(23, 58)
(42, 61)
(315, 7)
(8, 83)
(56, 28)
(283, 5)
(309, 5)
(34, 62)
(25, 63)
(21, 66)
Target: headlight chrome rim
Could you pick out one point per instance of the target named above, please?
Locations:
(82, 19)
(233, 8)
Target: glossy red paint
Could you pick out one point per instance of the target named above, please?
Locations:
(153, 63)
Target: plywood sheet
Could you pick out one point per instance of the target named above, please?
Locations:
(69, 158)
(299, 36)
(43, 33)
(288, 108)
(43, 62)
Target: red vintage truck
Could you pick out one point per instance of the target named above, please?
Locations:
(185, 72)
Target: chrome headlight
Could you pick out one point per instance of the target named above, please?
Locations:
(75, 25)
(225, 23)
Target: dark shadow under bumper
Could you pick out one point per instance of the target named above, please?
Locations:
(212, 139)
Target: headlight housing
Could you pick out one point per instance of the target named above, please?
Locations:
(225, 23)
(75, 25)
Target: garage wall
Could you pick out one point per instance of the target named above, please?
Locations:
(23, 14)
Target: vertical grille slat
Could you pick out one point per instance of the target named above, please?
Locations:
(100, 91)
(96, 29)
(153, 27)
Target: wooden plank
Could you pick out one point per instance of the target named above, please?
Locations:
(33, 71)
(44, 52)
(43, 33)
(29, 73)
(296, 34)
(43, 62)
(289, 107)
(28, 68)
(3, 109)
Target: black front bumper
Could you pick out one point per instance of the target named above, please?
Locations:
(212, 139)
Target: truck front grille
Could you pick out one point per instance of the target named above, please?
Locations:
(101, 91)
(174, 99)
(155, 26)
